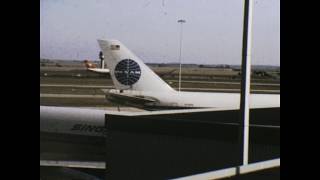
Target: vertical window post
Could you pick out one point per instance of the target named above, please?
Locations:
(245, 82)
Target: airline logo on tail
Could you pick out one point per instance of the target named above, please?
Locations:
(127, 72)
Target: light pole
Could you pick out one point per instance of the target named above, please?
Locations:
(181, 21)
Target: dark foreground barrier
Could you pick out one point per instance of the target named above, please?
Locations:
(165, 146)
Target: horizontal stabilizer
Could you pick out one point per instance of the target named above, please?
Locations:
(117, 96)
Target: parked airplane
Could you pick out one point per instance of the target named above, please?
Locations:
(72, 137)
(93, 67)
(137, 85)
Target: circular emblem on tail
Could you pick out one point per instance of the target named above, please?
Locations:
(127, 72)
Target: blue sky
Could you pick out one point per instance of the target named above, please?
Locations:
(212, 34)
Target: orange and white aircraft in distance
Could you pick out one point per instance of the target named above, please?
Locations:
(93, 67)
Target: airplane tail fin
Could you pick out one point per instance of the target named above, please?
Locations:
(128, 71)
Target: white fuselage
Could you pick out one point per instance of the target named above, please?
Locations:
(206, 100)
(99, 70)
(76, 121)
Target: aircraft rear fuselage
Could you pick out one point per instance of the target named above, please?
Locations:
(182, 100)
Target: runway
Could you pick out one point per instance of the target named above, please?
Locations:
(42, 95)
(51, 95)
(225, 83)
(190, 85)
(76, 86)
(172, 81)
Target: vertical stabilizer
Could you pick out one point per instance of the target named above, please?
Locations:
(128, 71)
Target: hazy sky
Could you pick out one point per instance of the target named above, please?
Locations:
(212, 34)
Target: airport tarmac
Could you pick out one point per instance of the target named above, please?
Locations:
(183, 89)
(87, 91)
(74, 82)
